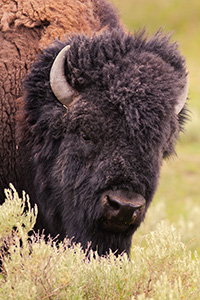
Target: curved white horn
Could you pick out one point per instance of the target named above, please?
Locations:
(59, 85)
(182, 97)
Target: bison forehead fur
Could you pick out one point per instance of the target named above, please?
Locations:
(111, 138)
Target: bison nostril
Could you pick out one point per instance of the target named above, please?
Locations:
(113, 203)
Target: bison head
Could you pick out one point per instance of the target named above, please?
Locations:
(101, 113)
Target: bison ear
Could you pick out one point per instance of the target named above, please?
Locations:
(59, 85)
(182, 96)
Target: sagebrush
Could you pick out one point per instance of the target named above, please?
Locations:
(36, 269)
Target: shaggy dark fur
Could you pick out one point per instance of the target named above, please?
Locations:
(27, 26)
(113, 137)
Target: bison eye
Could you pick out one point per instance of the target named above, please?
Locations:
(86, 137)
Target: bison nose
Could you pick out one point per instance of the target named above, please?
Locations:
(122, 208)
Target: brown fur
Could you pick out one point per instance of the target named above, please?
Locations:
(54, 18)
(26, 26)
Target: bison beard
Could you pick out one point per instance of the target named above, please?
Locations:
(93, 167)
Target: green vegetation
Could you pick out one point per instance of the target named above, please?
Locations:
(32, 269)
(179, 189)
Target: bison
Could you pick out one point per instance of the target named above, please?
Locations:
(97, 116)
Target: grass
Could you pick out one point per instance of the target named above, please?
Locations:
(160, 268)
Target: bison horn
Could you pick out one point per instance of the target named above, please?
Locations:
(59, 85)
(182, 97)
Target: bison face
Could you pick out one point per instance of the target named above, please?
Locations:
(101, 170)
(93, 151)
(97, 179)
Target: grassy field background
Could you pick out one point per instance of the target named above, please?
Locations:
(178, 196)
